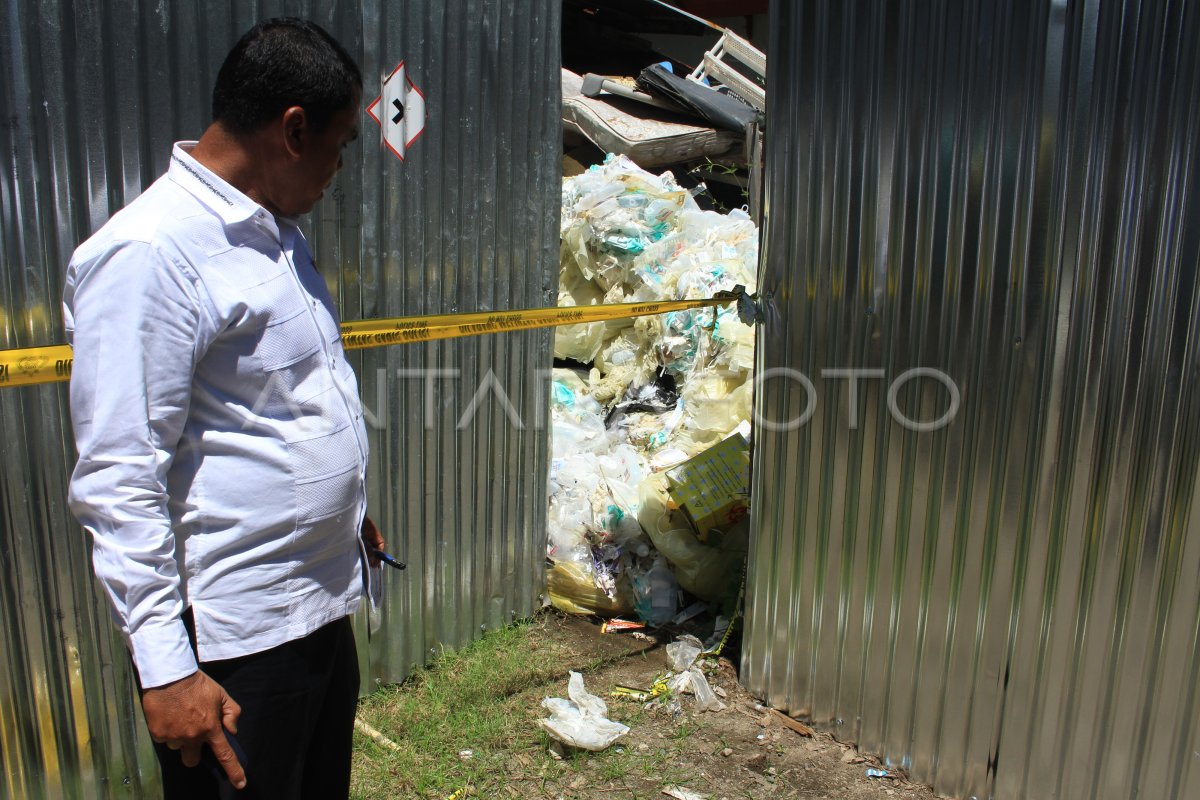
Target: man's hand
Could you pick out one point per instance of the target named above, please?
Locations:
(373, 541)
(192, 712)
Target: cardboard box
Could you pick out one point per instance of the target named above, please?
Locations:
(713, 488)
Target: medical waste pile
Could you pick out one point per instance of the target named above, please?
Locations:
(651, 417)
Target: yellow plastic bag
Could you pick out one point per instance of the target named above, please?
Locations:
(705, 570)
(571, 589)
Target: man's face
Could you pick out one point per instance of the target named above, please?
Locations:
(320, 159)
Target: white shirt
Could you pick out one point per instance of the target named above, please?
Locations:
(222, 453)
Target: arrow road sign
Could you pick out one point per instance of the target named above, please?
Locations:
(399, 110)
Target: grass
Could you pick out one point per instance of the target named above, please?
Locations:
(486, 698)
(472, 699)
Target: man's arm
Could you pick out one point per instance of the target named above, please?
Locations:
(138, 326)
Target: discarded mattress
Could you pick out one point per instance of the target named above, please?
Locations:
(617, 125)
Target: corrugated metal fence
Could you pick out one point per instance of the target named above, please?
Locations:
(1007, 606)
(91, 97)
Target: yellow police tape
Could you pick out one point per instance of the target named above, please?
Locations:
(401, 330)
(27, 365)
(32, 365)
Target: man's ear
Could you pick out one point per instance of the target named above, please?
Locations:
(295, 130)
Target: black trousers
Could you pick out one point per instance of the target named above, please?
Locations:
(294, 735)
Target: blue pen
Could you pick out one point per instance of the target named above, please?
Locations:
(385, 558)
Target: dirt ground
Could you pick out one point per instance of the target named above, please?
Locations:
(740, 752)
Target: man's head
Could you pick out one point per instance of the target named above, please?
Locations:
(290, 93)
(281, 63)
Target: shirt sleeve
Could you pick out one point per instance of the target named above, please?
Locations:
(138, 327)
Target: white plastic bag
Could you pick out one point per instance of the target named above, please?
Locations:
(679, 793)
(581, 721)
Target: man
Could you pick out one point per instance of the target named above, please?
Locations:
(222, 452)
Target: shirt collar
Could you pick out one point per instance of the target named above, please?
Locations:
(210, 189)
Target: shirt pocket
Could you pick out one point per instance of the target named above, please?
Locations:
(327, 496)
(327, 473)
(288, 341)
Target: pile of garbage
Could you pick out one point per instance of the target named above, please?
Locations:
(648, 484)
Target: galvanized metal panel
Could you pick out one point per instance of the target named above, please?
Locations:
(1006, 606)
(468, 222)
(91, 97)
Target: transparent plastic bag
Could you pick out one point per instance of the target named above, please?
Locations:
(683, 652)
(655, 593)
(706, 698)
(704, 570)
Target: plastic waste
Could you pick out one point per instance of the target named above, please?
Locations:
(577, 419)
(583, 341)
(707, 570)
(682, 655)
(581, 499)
(587, 702)
(693, 681)
(706, 698)
(572, 589)
(651, 395)
(683, 652)
(661, 389)
(679, 793)
(582, 720)
(621, 626)
(694, 610)
(655, 593)
(594, 502)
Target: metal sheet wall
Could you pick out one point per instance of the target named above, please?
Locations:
(1007, 606)
(92, 94)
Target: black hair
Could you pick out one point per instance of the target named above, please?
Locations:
(280, 63)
